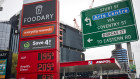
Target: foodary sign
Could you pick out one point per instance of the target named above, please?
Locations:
(109, 24)
(39, 12)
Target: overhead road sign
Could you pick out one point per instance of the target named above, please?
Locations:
(109, 24)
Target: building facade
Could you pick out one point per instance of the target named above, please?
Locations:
(120, 54)
(5, 29)
(71, 44)
(14, 36)
(9, 35)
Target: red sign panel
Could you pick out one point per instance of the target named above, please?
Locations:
(39, 31)
(44, 61)
(38, 76)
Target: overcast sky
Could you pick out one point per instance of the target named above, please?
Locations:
(70, 9)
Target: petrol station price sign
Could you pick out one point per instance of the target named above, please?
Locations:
(39, 44)
(109, 24)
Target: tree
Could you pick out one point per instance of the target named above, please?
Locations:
(14, 64)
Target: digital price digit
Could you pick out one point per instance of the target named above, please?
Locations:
(46, 76)
(46, 56)
(45, 67)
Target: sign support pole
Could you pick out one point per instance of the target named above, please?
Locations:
(101, 77)
(63, 74)
(130, 58)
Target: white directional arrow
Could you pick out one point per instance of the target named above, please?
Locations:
(89, 40)
(88, 21)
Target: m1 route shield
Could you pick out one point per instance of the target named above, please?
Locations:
(109, 24)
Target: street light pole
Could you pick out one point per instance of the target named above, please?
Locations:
(130, 59)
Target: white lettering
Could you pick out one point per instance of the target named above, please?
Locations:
(29, 19)
(3, 54)
(34, 19)
(47, 42)
(106, 26)
(51, 15)
(38, 18)
(37, 43)
(24, 68)
(24, 57)
(103, 61)
(106, 9)
(113, 39)
(110, 20)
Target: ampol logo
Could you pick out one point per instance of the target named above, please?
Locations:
(27, 45)
(103, 61)
(38, 9)
(90, 62)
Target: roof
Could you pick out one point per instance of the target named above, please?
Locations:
(90, 65)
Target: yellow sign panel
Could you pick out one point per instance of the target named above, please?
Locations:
(2, 76)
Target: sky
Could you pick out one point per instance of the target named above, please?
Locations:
(70, 9)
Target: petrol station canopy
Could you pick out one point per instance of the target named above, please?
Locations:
(90, 65)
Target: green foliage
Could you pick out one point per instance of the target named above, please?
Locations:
(14, 64)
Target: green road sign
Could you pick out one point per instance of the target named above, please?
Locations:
(108, 22)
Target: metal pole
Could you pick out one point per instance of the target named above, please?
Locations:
(101, 72)
(107, 74)
(129, 53)
(130, 58)
(76, 75)
(63, 74)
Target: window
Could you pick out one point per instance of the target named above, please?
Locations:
(4, 36)
(1, 27)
